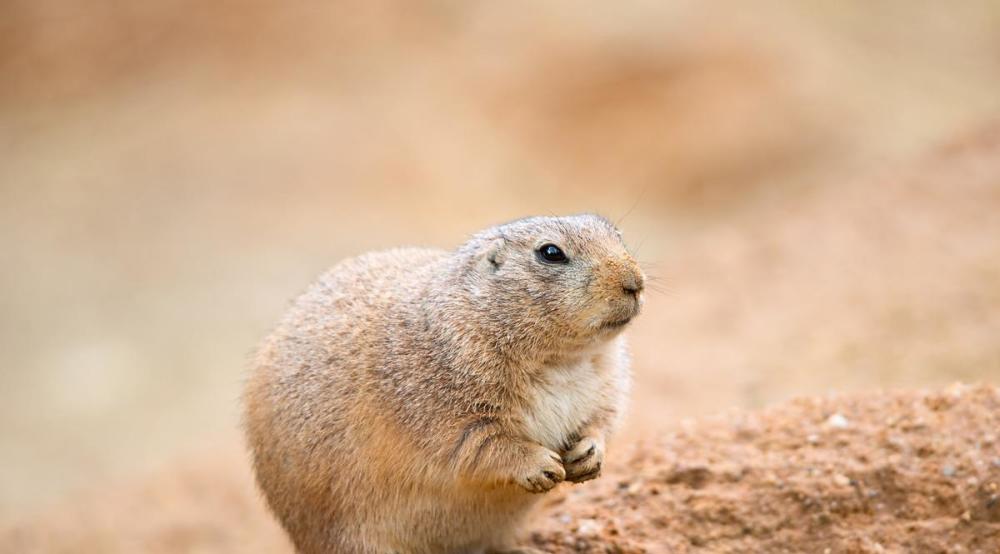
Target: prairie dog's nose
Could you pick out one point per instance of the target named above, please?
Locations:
(633, 282)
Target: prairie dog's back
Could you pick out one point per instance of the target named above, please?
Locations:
(356, 297)
(332, 328)
(312, 380)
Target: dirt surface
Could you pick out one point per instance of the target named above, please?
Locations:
(905, 472)
(900, 472)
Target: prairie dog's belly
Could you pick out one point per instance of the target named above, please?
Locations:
(568, 398)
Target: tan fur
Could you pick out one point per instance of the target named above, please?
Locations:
(413, 400)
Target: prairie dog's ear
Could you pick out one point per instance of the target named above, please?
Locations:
(494, 254)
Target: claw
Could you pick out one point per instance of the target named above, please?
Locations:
(585, 465)
(590, 452)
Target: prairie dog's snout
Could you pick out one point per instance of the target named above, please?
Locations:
(625, 272)
(633, 281)
(621, 284)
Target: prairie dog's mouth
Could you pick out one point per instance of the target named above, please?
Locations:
(616, 323)
(619, 315)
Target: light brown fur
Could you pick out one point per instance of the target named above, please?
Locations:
(412, 400)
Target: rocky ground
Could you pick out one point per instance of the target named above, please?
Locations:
(905, 472)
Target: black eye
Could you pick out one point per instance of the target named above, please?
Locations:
(552, 254)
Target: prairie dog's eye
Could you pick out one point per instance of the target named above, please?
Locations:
(552, 254)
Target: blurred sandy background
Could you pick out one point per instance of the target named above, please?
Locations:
(172, 172)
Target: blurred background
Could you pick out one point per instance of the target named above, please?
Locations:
(173, 172)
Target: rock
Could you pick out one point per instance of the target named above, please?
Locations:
(588, 528)
(838, 421)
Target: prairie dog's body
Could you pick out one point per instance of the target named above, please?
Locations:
(412, 400)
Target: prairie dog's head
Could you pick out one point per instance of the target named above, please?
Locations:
(555, 282)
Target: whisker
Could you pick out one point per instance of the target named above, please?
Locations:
(642, 241)
(661, 290)
(642, 192)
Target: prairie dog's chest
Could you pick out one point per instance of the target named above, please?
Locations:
(565, 400)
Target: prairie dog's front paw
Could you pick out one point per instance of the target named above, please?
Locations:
(583, 462)
(542, 470)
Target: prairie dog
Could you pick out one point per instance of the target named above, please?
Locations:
(417, 401)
